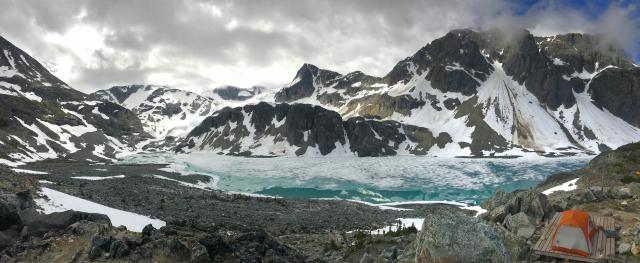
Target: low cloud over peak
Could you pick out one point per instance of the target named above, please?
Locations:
(199, 45)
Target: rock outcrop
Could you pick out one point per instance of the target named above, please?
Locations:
(448, 235)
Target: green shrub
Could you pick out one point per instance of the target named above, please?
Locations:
(331, 246)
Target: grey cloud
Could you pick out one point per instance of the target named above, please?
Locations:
(367, 35)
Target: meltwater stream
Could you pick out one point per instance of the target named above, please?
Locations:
(374, 180)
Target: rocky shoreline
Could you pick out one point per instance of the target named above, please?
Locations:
(208, 225)
(320, 230)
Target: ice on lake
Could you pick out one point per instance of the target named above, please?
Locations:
(375, 179)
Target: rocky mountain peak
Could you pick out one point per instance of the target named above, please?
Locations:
(584, 51)
(15, 63)
(165, 111)
(41, 117)
(233, 93)
(303, 84)
(19, 68)
(503, 86)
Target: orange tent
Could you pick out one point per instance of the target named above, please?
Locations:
(574, 233)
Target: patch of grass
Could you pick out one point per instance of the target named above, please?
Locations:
(331, 246)
(402, 231)
(360, 239)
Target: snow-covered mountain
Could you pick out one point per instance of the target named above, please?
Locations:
(42, 117)
(264, 129)
(489, 92)
(163, 111)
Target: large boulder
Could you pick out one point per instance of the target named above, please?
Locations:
(41, 224)
(531, 203)
(8, 215)
(561, 201)
(448, 235)
(520, 224)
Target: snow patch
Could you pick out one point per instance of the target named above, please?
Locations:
(568, 186)
(60, 202)
(25, 171)
(98, 178)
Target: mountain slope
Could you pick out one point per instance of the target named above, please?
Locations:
(302, 129)
(165, 112)
(42, 117)
(493, 92)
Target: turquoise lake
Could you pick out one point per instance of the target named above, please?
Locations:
(374, 180)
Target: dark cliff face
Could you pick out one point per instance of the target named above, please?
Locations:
(303, 83)
(618, 90)
(459, 49)
(581, 51)
(462, 59)
(42, 117)
(305, 128)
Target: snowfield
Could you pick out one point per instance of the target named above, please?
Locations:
(97, 178)
(568, 186)
(59, 202)
(25, 171)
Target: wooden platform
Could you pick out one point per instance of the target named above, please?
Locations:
(603, 248)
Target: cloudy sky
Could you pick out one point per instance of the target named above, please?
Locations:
(198, 44)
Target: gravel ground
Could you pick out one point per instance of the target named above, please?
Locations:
(142, 193)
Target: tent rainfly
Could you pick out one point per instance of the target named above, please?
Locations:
(574, 233)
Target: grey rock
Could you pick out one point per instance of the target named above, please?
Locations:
(199, 253)
(622, 193)
(177, 249)
(520, 224)
(581, 196)
(392, 253)
(448, 235)
(42, 224)
(148, 230)
(526, 232)
(498, 214)
(94, 253)
(624, 248)
(634, 188)
(101, 242)
(8, 215)
(5, 241)
(366, 258)
(516, 221)
(119, 249)
(598, 192)
(532, 204)
(215, 245)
